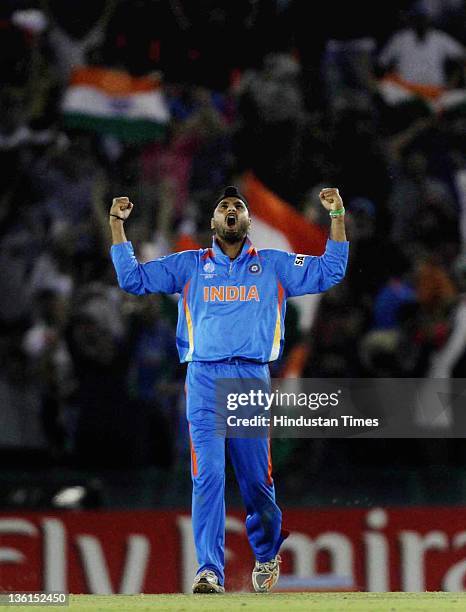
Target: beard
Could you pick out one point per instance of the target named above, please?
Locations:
(232, 235)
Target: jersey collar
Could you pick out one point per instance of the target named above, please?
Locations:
(247, 249)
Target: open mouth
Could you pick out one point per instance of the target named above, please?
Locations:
(231, 220)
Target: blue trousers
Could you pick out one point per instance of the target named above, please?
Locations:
(251, 461)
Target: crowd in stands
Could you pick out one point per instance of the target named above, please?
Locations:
(374, 104)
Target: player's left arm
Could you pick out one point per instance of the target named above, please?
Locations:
(330, 199)
(301, 274)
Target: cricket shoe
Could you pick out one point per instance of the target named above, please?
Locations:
(265, 575)
(207, 582)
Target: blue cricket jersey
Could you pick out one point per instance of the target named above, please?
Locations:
(231, 308)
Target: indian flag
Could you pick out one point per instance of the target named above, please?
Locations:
(114, 102)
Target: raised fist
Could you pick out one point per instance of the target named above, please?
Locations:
(330, 198)
(121, 207)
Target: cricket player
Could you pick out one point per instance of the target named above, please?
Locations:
(231, 315)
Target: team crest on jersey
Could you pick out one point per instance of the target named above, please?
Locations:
(299, 260)
(255, 268)
(208, 268)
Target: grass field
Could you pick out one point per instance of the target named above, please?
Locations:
(293, 602)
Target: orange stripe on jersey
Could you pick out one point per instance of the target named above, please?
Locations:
(277, 333)
(191, 446)
(193, 456)
(281, 294)
(269, 466)
(189, 322)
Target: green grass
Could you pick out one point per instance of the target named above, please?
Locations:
(293, 602)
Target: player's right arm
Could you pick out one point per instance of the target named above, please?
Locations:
(164, 275)
(119, 212)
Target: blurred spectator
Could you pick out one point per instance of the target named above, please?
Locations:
(419, 204)
(356, 128)
(108, 425)
(19, 246)
(21, 427)
(196, 158)
(336, 329)
(379, 352)
(271, 114)
(101, 424)
(418, 53)
(381, 348)
(53, 269)
(397, 291)
(64, 182)
(429, 324)
(153, 362)
(76, 29)
(338, 51)
(435, 289)
(449, 360)
(349, 54)
(44, 335)
(50, 361)
(155, 376)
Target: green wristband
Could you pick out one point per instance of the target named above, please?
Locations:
(337, 213)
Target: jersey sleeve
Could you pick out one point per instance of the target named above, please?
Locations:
(302, 274)
(164, 275)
